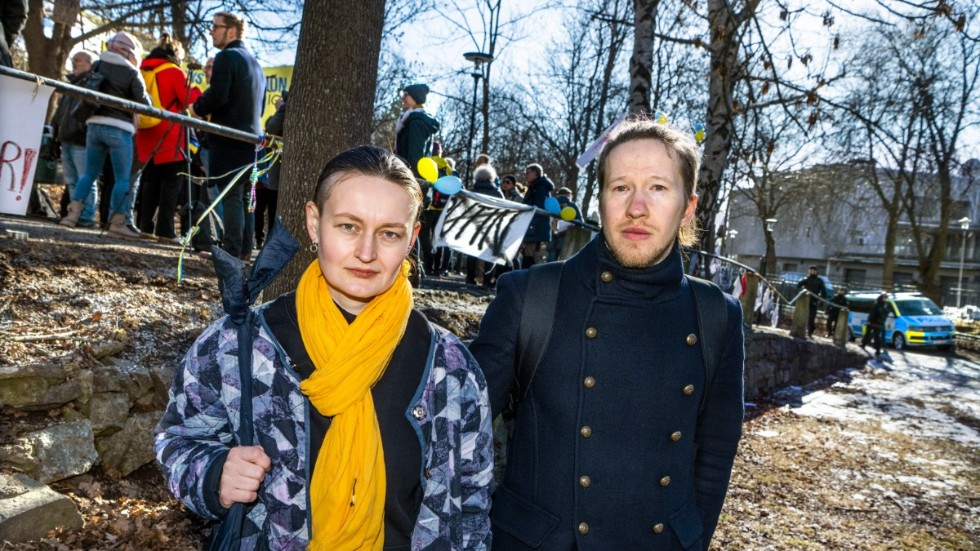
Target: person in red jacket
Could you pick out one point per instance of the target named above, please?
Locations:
(161, 145)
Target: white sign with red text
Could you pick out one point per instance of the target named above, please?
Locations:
(22, 113)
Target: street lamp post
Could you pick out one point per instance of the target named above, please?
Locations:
(478, 59)
(964, 225)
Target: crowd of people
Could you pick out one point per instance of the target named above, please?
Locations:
(99, 144)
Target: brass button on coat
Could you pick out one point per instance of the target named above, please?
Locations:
(583, 528)
(591, 332)
(688, 390)
(675, 436)
(584, 481)
(606, 277)
(691, 340)
(585, 431)
(665, 481)
(589, 382)
(658, 528)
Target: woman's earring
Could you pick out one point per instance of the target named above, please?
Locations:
(314, 247)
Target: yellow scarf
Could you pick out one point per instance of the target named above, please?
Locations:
(347, 489)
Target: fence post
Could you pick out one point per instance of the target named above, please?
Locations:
(748, 298)
(801, 314)
(841, 330)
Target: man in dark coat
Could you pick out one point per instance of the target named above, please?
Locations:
(815, 285)
(875, 331)
(619, 441)
(235, 98)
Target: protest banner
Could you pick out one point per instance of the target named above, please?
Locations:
(22, 113)
(488, 228)
(277, 80)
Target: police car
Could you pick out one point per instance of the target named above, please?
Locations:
(913, 320)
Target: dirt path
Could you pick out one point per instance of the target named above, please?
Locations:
(873, 459)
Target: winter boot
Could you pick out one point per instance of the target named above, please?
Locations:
(74, 211)
(117, 227)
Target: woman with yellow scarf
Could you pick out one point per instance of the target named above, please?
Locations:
(372, 424)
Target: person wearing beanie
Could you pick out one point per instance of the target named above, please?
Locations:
(415, 128)
(110, 133)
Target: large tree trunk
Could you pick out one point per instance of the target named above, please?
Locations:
(331, 104)
(47, 56)
(642, 60)
(888, 261)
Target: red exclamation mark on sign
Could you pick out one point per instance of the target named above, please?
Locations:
(29, 155)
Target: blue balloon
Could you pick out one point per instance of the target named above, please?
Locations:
(551, 205)
(448, 185)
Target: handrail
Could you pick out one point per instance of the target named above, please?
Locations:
(133, 107)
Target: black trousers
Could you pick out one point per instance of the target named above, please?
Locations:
(266, 202)
(237, 238)
(159, 188)
(875, 334)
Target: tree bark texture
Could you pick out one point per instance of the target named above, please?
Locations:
(642, 60)
(331, 104)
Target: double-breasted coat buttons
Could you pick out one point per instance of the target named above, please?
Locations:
(583, 528)
(585, 481)
(658, 528)
(591, 332)
(585, 431)
(691, 339)
(688, 390)
(606, 276)
(589, 382)
(675, 436)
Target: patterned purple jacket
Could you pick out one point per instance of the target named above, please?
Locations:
(201, 421)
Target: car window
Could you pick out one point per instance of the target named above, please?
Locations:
(918, 307)
(858, 305)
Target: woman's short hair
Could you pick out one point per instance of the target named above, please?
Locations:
(367, 160)
(485, 172)
(680, 146)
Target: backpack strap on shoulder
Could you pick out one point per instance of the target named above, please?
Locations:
(537, 319)
(712, 316)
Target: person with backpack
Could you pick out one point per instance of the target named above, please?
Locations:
(161, 144)
(110, 133)
(623, 376)
(70, 134)
(371, 424)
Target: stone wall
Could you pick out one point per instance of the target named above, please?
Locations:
(773, 360)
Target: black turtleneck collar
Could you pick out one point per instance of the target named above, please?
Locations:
(661, 281)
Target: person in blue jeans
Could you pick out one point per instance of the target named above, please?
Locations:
(110, 132)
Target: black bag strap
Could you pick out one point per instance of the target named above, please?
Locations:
(537, 319)
(245, 378)
(709, 301)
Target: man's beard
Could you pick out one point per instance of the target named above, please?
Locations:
(638, 258)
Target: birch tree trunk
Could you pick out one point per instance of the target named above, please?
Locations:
(642, 60)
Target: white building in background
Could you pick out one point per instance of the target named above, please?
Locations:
(842, 228)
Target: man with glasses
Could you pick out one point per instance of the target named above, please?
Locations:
(236, 99)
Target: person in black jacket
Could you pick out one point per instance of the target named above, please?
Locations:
(838, 302)
(70, 134)
(620, 441)
(875, 330)
(236, 98)
(267, 193)
(815, 285)
(539, 188)
(110, 132)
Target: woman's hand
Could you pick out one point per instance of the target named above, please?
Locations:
(242, 474)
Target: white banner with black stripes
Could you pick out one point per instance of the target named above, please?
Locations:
(486, 227)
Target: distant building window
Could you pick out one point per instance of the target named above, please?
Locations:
(860, 241)
(854, 275)
(789, 267)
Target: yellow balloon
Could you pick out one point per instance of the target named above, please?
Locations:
(568, 214)
(428, 170)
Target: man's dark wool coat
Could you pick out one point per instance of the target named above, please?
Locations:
(609, 451)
